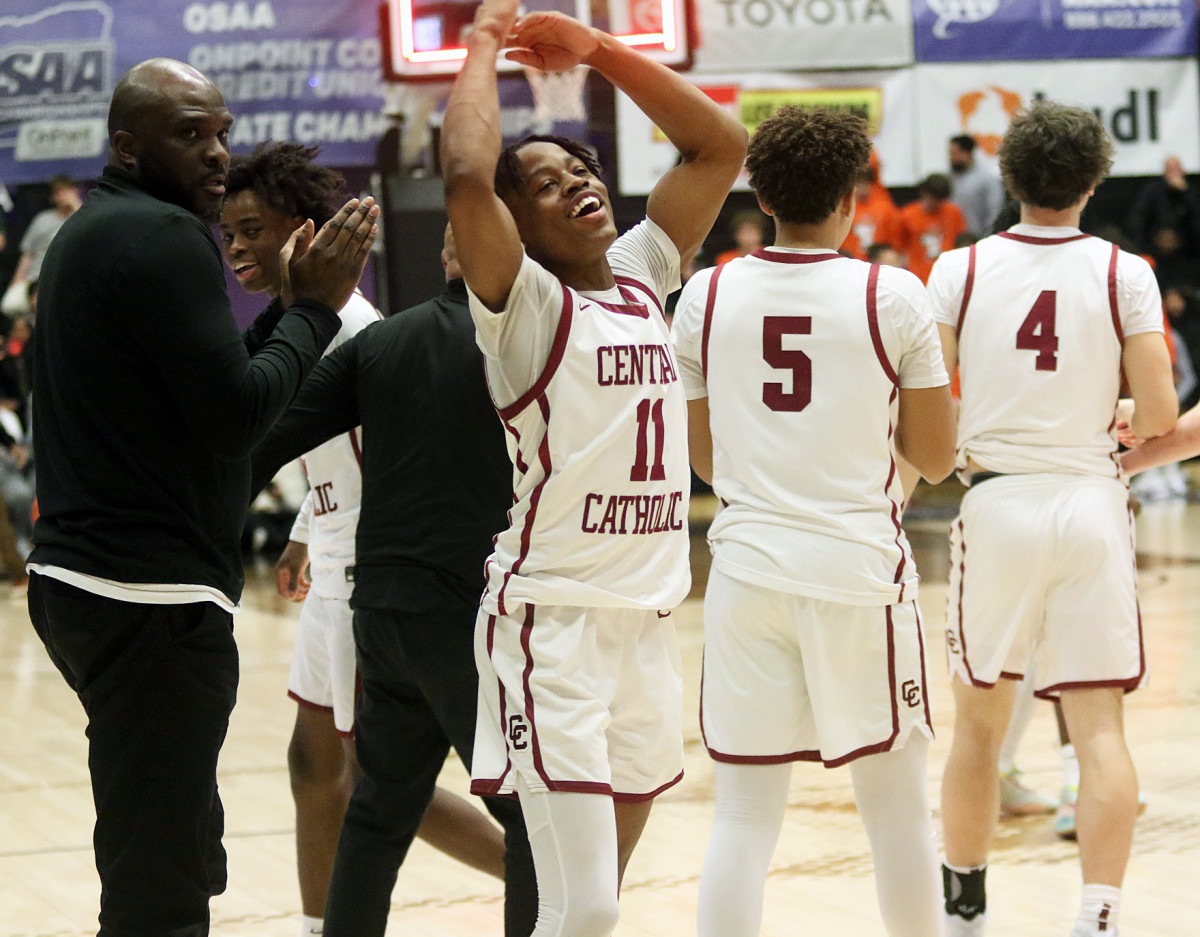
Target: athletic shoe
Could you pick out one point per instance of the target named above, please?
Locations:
(960, 927)
(1019, 800)
(1064, 819)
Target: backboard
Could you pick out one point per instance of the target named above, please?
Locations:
(426, 39)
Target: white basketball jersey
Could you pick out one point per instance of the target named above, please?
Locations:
(1041, 315)
(599, 446)
(334, 471)
(802, 355)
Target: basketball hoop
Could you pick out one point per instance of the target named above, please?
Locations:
(558, 96)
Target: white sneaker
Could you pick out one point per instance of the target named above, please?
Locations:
(957, 926)
(1019, 800)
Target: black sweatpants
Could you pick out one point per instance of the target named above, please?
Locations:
(158, 683)
(417, 698)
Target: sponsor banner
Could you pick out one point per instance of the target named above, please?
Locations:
(884, 98)
(303, 70)
(1149, 106)
(808, 34)
(999, 30)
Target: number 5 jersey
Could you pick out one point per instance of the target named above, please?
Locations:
(805, 352)
(588, 391)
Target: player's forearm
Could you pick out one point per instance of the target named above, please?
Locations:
(471, 137)
(1182, 442)
(690, 119)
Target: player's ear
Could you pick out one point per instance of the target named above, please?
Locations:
(766, 209)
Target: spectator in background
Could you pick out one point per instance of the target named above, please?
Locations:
(876, 219)
(1166, 202)
(976, 189)
(747, 231)
(64, 197)
(929, 226)
(884, 254)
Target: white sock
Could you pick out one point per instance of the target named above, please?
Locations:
(311, 926)
(1098, 911)
(1070, 766)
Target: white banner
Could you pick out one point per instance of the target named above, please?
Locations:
(1151, 107)
(805, 34)
(884, 98)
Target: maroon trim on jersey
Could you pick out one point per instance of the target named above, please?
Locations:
(356, 446)
(622, 798)
(308, 704)
(492, 786)
(518, 458)
(1030, 239)
(627, 284)
(968, 288)
(535, 498)
(924, 675)
(873, 324)
(553, 360)
(897, 506)
(781, 257)
(1112, 294)
(709, 304)
(962, 575)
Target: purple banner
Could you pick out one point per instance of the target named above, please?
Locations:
(303, 70)
(1017, 30)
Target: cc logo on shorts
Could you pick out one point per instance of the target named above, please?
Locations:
(911, 693)
(951, 642)
(517, 730)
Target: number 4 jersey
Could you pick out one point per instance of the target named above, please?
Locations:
(589, 394)
(1041, 314)
(802, 355)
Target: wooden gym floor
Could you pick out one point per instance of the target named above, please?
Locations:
(820, 881)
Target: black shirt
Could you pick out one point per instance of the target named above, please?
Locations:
(146, 401)
(437, 481)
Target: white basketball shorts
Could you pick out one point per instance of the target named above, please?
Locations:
(792, 678)
(1042, 570)
(578, 699)
(324, 674)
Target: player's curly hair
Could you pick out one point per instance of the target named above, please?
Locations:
(1052, 155)
(285, 177)
(509, 175)
(802, 161)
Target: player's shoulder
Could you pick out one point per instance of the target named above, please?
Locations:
(900, 282)
(358, 313)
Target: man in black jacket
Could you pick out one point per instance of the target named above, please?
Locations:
(437, 483)
(147, 404)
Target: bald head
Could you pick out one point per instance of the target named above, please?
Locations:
(149, 87)
(169, 129)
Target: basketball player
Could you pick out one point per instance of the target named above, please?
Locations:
(265, 195)
(1042, 321)
(429, 513)
(580, 706)
(807, 374)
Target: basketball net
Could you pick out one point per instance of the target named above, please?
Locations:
(558, 96)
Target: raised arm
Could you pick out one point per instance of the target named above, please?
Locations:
(489, 247)
(712, 144)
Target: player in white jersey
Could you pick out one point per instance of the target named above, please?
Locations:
(809, 375)
(580, 690)
(268, 195)
(1042, 321)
